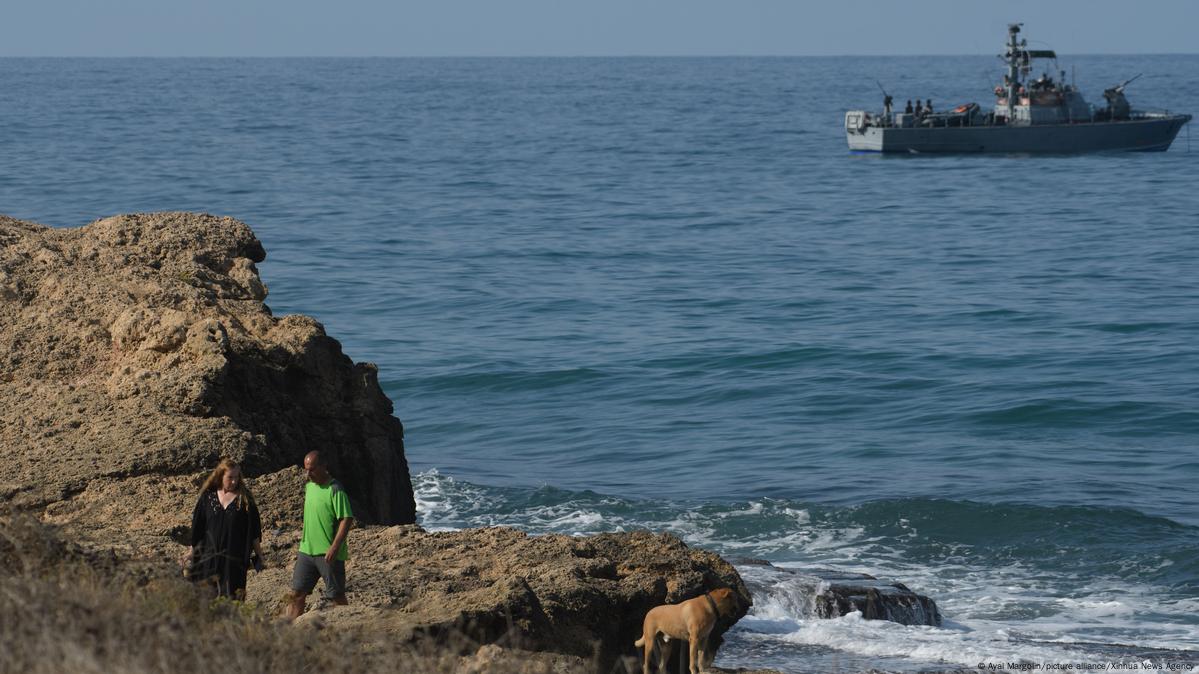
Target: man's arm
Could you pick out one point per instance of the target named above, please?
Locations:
(343, 528)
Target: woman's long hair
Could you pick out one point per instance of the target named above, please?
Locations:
(217, 477)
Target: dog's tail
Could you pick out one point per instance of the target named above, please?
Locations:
(640, 642)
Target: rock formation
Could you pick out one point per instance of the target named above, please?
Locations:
(826, 593)
(140, 345)
(579, 596)
(582, 597)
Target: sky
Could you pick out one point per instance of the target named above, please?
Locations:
(587, 28)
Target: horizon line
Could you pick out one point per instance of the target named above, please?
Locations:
(549, 56)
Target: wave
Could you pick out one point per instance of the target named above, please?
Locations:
(1082, 413)
(511, 380)
(1111, 542)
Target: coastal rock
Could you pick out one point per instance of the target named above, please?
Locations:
(583, 598)
(139, 345)
(877, 600)
(577, 596)
(825, 593)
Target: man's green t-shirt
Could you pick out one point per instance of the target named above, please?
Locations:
(324, 507)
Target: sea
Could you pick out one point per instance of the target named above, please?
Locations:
(616, 294)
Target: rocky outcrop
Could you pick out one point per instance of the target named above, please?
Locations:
(579, 596)
(875, 600)
(140, 345)
(825, 593)
(582, 598)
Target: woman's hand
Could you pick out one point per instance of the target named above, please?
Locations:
(257, 560)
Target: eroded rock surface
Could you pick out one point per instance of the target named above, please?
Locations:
(580, 596)
(140, 345)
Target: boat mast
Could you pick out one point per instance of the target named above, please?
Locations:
(1014, 56)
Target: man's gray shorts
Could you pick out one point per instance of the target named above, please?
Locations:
(311, 567)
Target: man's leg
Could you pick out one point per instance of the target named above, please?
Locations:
(303, 579)
(334, 576)
(295, 605)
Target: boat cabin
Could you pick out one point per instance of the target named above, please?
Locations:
(1020, 101)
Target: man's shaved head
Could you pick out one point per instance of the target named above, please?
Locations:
(315, 467)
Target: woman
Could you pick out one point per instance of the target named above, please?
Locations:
(226, 527)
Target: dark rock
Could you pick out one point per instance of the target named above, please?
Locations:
(825, 593)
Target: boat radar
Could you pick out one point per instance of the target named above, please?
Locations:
(1041, 115)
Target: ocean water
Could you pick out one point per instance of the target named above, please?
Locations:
(613, 294)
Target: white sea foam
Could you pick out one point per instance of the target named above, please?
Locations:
(992, 615)
(754, 508)
(442, 502)
(880, 638)
(556, 518)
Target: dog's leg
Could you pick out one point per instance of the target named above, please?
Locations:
(647, 642)
(693, 653)
(664, 653)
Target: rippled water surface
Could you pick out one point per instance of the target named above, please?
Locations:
(619, 293)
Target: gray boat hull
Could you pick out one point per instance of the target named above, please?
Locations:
(1138, 135)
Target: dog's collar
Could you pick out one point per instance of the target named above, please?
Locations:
(712, 602)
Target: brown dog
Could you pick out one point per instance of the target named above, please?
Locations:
(692, 620)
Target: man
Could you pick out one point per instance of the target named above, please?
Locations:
(323, 552)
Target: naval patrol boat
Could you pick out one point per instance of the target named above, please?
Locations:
(1030, 115)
